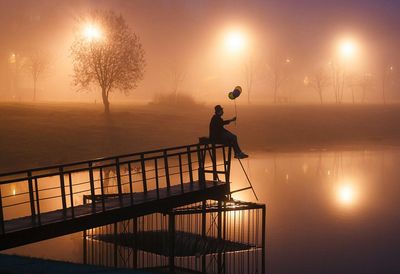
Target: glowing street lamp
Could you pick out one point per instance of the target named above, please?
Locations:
(92, 32)
(347, 49)
(235, 42)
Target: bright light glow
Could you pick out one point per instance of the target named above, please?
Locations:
(12, 58)
(14, 191)
(346, 194)
(347, 49)
(235, 41)
(92, 32)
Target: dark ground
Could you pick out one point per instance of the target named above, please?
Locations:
(41, 134)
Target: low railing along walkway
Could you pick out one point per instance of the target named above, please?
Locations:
(43, 203)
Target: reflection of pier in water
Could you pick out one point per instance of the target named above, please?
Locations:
(48, 202)
(206, 237)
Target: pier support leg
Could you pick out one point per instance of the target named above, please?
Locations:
(263, 253)
(203, 234)
(171, 236)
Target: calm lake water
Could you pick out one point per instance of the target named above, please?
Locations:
(327, 212)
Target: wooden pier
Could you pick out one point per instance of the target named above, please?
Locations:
(44, 203)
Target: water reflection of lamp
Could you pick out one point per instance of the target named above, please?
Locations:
(346, 194)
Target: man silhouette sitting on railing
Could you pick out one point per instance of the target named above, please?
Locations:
(219, 135)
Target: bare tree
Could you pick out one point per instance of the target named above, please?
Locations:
(365, 83)
(319, 80)
(36, 63)
(385, 77)
(109, 55)
(277, 68)
(337, 80)
(177, 76)
(249, 69)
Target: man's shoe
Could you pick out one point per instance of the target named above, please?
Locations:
(241, 155)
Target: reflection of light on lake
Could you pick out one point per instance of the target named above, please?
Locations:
(14, 191)
(346, 194)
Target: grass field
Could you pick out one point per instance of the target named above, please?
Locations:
(40, 134)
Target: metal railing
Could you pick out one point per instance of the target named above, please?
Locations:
(36, 191)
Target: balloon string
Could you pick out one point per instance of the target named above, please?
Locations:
(235, 111)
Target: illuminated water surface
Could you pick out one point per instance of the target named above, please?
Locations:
(327, 212)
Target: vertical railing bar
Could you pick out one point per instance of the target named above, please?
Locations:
(37, 201)
(119, 183)
(102, 189)
(63, 197)
(71, 194)
(3, 231)
(166, 168)
(225, 163)
(156, 175)
(180, 170)
(201, 175)
(130, 181)
(189, 157)
(229, 163)
(31, 197)
(214, 162)
(92, 190)
(143, 167)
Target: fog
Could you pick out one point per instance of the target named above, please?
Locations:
(185, 50)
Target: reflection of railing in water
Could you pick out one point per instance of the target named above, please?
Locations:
(32, 193)
(209, 237)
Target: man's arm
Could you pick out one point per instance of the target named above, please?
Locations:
(226, 122)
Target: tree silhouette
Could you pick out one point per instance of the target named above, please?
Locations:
(36, 64)
(319, 80)
(110, 56)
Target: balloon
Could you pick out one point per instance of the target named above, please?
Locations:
(235, 93)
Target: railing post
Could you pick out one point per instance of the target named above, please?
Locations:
(63, 198)
(214, 162)
(130, 181)
(92, 190)
(37, 201)
(166, 168)
(180, 170)
(1, 215)
(102, 189)
(201, 174)
(71, 192)
(228, 172)
(189, 157)
(143, 168)
(31, 197)
(118, 171)
(156, 175)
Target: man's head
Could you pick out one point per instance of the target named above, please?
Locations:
(219, 110)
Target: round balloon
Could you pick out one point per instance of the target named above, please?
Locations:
(231, 96)
(237, 91)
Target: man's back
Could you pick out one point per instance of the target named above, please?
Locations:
(216, 128)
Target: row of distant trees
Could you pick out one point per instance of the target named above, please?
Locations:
(330, 80)
(116, 62)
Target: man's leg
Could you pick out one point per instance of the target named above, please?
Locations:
(232, 139)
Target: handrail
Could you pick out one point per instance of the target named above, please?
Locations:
(53, 167)
(99, 160)
(163, 167)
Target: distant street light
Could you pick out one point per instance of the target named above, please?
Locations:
(235, 42)
(92, 32)
(347, 49)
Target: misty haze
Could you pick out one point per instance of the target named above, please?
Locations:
(106, 101)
